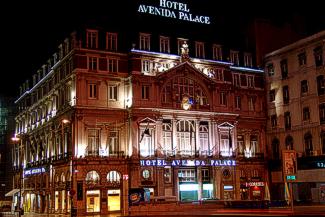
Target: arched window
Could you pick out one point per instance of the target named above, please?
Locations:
(276, 148)
(204, 138)
(289, 142)
(92, 177)
(185, 137)
(308, 144)
(167, 137)
(62, 177)
(113, 176)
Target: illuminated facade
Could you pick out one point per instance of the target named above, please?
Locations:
(101, 121)
(296, 111)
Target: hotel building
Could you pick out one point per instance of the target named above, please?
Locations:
(97, 122)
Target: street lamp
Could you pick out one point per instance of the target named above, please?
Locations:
(15, 141)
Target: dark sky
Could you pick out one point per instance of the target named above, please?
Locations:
(32, 30)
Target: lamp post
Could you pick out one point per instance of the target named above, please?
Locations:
(15, 141)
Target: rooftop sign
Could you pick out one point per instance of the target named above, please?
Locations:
(173, 9)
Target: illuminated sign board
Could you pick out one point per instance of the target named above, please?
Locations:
(251, 184)
(210, 162)
(173, 9)
(291, 178)
(34, 171)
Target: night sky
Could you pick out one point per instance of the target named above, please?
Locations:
(32, 30)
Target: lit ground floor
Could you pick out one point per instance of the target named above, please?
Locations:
(101, 186)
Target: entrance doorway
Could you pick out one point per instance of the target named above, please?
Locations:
(114, 200)
(93, 201)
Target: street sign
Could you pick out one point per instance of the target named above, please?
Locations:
(291, 178)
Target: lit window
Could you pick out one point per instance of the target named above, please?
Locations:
(217, 52)
(199, 50)
(164, 44)
(92, 39)
(111, 41)
(144, 41)
(113, 92)
(234, 57)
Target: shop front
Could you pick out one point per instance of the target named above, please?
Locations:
(114, 200)
(93, 201)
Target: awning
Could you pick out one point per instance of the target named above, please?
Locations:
(12, 192)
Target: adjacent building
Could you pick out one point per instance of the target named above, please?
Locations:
(295, 82)
(184, 122)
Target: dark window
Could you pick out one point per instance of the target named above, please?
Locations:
(320, 85)
(304, 86)
(238, 102)
(287, 120)
(308, 144)
(145, 92)
(322, 113)
(284, 69)
(285, 94)
(318, 54)
(276, 148)
(273, 121)
(302, 59)
(306, 113)
(270, 69)
(289, 142)
(323, 142)
(272, 95)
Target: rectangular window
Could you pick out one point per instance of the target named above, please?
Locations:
(238, 102)
(145, 92)
(287, 120)
(217, 52)
(236, 78)
(285, 94)
(250, 81)
(199, 50)
(251, 103)
(205, 175)
(144, 41)
(322, 113)
(248, 60)
(93, 142)
(92, 91)
(113, 143)
(272, 95)
(112, 65)
(223, 98)
(113, 92)
(304, 87)
(318, 54)
(284, 69)
(219, 74)
(92, 39)
(164, 44)
(320, 85)
(234, 57)
(111, 41)
(92, 63)
(306, 113)
(270, 69)
(168, 174)
(302, 59)
(274, 121)
(187, 175)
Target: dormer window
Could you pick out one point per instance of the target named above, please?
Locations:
(144, 41)
(248, 60)
(92, 39)
(217, 52)
(199, 50)
(164, 44)
(234, 57)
